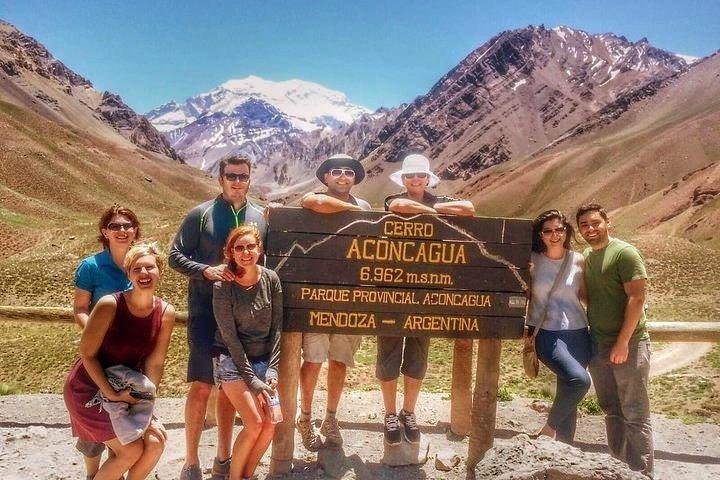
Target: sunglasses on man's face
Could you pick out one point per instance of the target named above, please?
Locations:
(236, 177)
(413, 175)
(250, 247)
(338, 172)
(117, 226)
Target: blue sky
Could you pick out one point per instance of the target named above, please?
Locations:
(378, 53)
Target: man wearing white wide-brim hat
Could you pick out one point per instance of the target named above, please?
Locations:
(340, 173)
(409, 355)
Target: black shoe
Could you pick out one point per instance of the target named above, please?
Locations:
(392, 429)
(409, 422)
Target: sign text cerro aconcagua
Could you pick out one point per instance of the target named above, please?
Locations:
(379, 273)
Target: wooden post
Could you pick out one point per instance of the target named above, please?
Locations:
(461, 399)
(484, 400)
(283, 446)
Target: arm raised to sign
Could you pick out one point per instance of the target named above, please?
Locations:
(464, 208)
(405, 205)
(322, 203)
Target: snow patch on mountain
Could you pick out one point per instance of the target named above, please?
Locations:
(689, 59)
(307, 106)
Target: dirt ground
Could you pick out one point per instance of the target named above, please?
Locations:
(35, 441)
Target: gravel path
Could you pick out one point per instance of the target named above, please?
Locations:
(35, 440)
(677, 355)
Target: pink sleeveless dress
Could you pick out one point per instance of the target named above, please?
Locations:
(128, 341)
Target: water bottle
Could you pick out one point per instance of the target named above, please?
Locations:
(274, 409)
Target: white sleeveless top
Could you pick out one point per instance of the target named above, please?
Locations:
(565, 311)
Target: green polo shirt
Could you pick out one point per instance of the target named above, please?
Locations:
(606, 271)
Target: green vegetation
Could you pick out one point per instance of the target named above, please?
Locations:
(7, 389)
(36, 357)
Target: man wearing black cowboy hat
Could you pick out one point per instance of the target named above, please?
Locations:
(339, 173)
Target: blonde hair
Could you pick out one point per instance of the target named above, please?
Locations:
(141, 250)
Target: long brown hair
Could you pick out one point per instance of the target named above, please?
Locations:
(538, 245)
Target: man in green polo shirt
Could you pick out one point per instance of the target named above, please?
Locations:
(615, 277)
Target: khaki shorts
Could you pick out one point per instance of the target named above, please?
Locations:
(318, 347)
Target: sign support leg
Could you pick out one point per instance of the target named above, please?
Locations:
(484, 406)
(461, 398)
(283, 446)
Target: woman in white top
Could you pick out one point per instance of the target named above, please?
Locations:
(563, 342)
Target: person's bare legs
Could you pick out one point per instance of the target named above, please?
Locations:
(309, 373)
(92, 465)
(412, 391)
(125, 457)
(261, 444)
(225, 415)
(389, 394)
(152, 450)
(248, 406)
(335, 384)
(195, 407)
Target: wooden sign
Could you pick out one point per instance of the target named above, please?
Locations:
(380, 273)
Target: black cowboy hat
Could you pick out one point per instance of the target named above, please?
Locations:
(340, 160)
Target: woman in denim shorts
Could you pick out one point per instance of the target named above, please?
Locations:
(248, 312)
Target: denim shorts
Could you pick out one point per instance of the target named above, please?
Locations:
(225, 370)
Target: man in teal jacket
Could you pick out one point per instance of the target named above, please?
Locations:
(197, 252)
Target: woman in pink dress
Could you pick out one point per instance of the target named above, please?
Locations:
(131, 329)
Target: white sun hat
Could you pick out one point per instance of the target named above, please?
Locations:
(415, 163)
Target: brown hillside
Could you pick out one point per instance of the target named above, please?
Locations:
(51, 174)
(659, 159)
(513, 96)
(30, 77)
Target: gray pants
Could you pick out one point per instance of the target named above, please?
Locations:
(622, 392)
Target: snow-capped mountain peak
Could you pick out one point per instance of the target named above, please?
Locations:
(307, 105)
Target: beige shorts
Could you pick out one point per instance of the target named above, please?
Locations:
(318, 347)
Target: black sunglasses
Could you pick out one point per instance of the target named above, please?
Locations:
(236, 177)
(413, 175)
(117, 226)
(548, 232)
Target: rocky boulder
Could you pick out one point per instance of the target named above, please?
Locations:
(525, 459)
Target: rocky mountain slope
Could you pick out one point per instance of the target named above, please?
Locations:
(30, 77)
(516, 94)
(67, 152)
(653, 155)
(253, 116)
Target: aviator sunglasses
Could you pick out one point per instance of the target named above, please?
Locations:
(338, 172)
(236, 177)
(117, 226)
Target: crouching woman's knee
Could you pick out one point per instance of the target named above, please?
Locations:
(129, 454)
(153, 445)
(155, 438)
